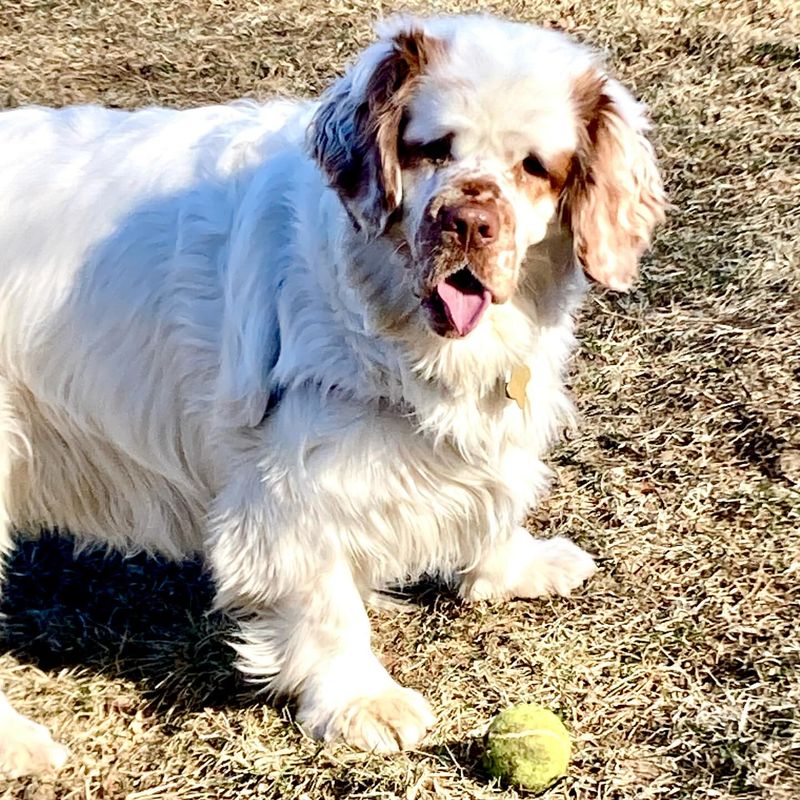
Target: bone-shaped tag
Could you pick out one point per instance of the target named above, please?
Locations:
(517, 384)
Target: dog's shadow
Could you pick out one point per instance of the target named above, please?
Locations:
(140, 618)
(148, 620)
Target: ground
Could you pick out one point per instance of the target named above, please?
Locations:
(678, 667)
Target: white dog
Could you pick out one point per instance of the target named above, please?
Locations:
(321, 343)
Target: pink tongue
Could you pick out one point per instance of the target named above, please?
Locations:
(464, 309)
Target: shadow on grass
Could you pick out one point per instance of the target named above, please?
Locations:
(465, 756)
(141, 618)
(427, 593)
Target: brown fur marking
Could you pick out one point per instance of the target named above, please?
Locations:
(443, 256)
(389, 93)
(613, 195)
(371, 161)
(479, 189)
(535, 186)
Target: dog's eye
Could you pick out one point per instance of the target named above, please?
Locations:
(437, 151)
(534, 167)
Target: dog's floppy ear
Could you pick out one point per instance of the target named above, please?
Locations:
(354, 134)
(614, 195)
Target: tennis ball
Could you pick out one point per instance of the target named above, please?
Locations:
(527, 746)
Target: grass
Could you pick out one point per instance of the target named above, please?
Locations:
(678, 667)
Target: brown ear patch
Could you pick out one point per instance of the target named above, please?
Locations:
(355, 138)
(588, 97)
(613, 197)
(390, 91)
(419, 49)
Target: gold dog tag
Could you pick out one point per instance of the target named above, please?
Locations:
(517, 384)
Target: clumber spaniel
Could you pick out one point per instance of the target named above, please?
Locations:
(320, 343)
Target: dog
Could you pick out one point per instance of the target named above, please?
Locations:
(321, 343)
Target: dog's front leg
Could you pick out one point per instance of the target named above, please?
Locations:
(314, 643)
(26, 748)
(523, 566)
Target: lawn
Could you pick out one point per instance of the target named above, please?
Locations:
(677, 667)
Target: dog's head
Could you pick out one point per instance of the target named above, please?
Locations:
(464, 139)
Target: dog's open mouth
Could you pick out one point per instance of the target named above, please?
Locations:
(457, 304)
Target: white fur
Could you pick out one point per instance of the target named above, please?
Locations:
(162, 273)
(26, 746)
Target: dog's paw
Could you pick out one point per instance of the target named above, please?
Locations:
(559, 567)
(395, 719)
(27, 748)
(529, 568)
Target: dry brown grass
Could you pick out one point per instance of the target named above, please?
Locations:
(678, 667)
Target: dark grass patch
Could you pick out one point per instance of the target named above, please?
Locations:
(139, 618)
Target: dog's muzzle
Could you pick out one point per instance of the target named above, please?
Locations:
(462, 238)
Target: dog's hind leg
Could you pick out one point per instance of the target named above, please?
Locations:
(526, 567)
(25, 746)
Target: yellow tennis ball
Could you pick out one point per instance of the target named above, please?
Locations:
(527, 746)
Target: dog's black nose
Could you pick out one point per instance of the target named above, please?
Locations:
(476, 225)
